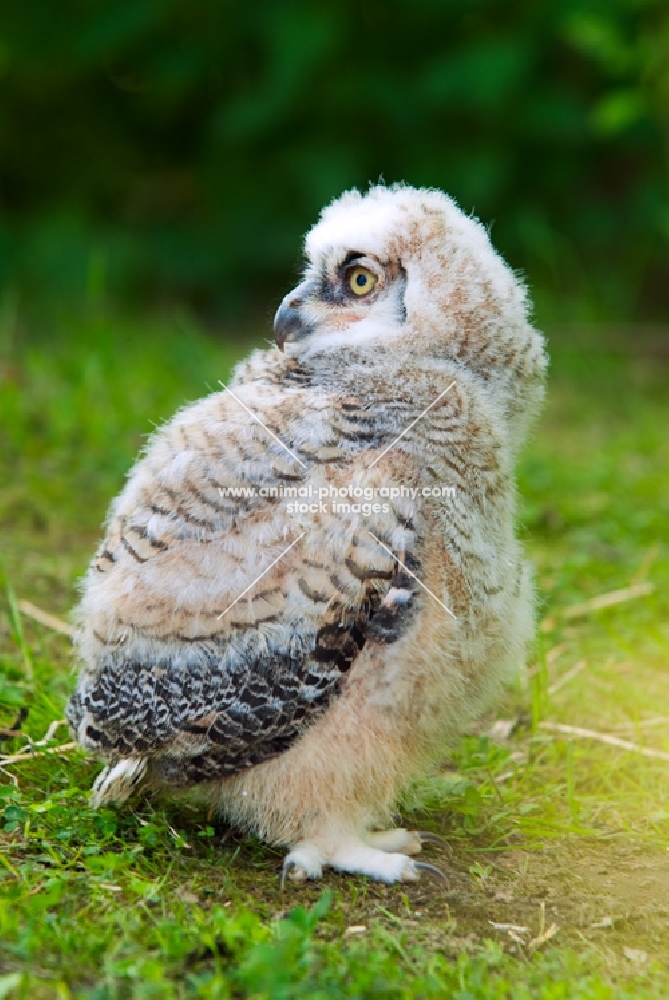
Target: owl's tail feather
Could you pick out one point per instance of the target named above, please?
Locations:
(117, 782)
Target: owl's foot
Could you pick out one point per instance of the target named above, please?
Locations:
(381, 863)
(404, 841)
(303, 862)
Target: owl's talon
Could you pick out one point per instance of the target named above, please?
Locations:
(430, 868)
(290, 867)
(432, 838)
(405, 841)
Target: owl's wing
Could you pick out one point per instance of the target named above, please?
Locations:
(214, 629)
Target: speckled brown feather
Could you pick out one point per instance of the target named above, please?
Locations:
(238, 689)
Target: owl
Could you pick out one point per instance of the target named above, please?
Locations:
(311, 580)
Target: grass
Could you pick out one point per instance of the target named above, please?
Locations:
(561, 842)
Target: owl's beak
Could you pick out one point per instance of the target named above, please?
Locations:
(289, 323)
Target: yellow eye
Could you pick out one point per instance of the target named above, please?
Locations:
(361, 281)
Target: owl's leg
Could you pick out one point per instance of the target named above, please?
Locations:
(405, 841)
(352, 854)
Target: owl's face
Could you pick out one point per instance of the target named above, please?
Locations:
(347, 296)
(402, 267)
(360, 255)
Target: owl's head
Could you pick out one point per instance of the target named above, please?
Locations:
(398, 262)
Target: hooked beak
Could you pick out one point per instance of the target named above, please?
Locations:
(289, 324)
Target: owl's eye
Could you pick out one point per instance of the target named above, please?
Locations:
(361, 281)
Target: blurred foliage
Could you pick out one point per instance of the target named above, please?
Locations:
(157, 149)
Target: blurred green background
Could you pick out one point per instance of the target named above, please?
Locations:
(160, 161)
(156, 151)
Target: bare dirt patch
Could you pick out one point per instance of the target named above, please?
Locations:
(611, 897)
